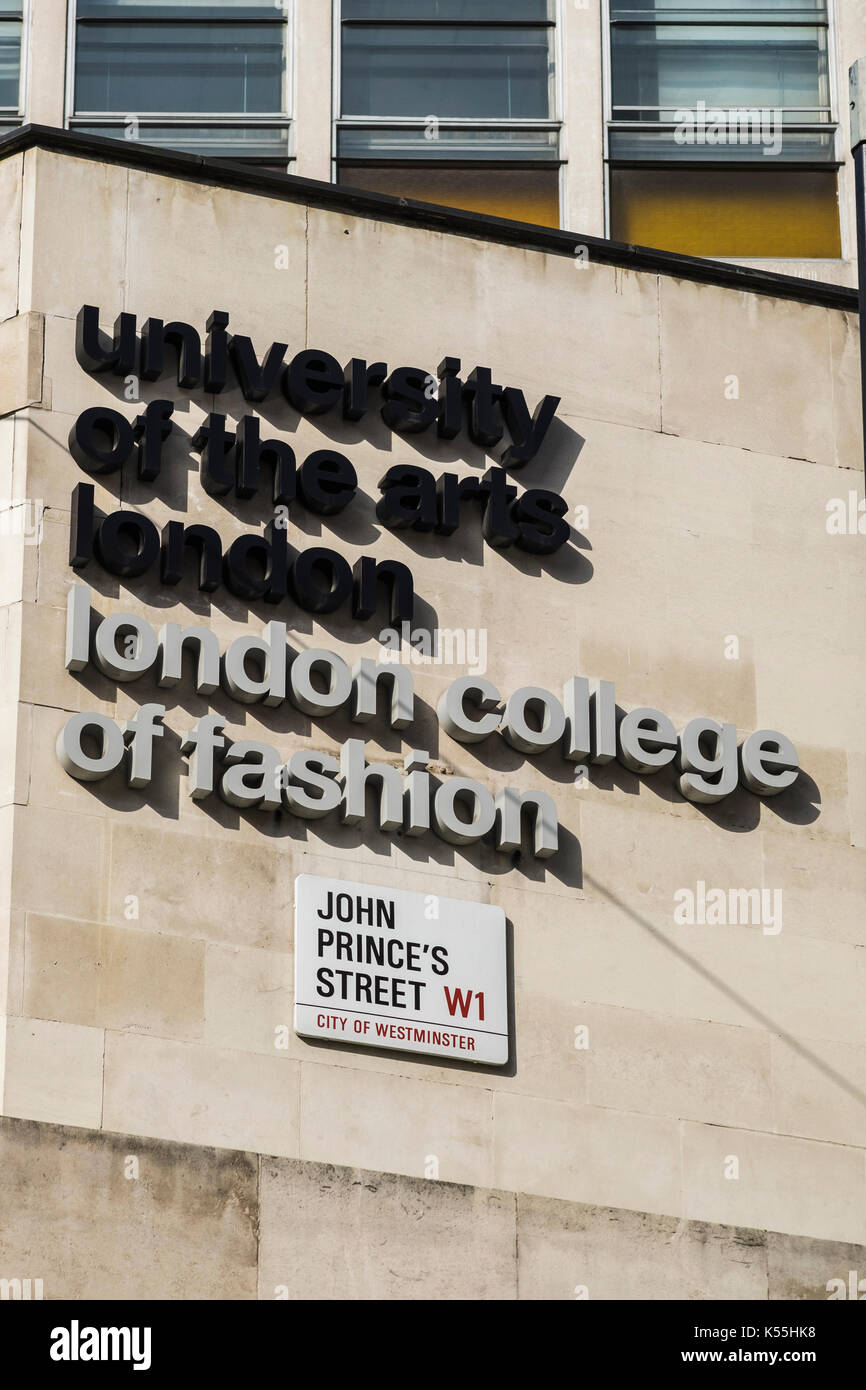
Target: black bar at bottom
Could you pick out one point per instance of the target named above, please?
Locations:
(254, 1338)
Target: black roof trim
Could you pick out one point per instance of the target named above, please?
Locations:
(385, 208)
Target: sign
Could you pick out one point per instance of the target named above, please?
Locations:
(584, 723)
(262, 565)
(411, 972)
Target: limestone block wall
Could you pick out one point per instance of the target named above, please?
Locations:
(146, 955)
(207, 1223)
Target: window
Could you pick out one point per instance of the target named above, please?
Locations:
(451, 101)
(11, 24)
(721, 139)
(195, 75)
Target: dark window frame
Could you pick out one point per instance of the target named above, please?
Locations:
(448, 157)
(109, 122)
(19, 13)
(821, 15)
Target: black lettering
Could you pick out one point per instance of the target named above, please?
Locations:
(408, 407)
(91, 352)
(251, 452)
(450, 398)
(497, 528)
(395, 953)
(314, 565)
(375, 950)
(101, 440)
(126, 544)
(450, 492)
(484, 429)
(439, 956)
(205, 542)
(527, 434)
(328, 482)
(156, 336)
(539, 516)
(256, 379)
(152, 429)
(358, 380)
(81, 525)
(256, 567)
(313, 382)
(214, 442)
(408, 499)
(401, 589)
(216, 354)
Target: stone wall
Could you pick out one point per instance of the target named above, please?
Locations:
(188, 1222)
(145, 946)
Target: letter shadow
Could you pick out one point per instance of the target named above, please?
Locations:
(559, 453)
(568, 565)
(355, 525)
(800, 804)
(566, 866)
(499, 756)
(171, 485)
(162, 795)
(465, 546)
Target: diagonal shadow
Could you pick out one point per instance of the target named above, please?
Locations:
(763, 1019)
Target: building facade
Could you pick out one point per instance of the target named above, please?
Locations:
(705, 129)
(371, 549)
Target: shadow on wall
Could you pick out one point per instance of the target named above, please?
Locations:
(738, 814)
(357, 525)
(560, 450)
(170, 771)
(763, 1020)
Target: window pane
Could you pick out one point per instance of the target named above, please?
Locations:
(355, 142)
(733, 212)
(10, 62)
(527, 195)
(448, 10)
(179, 68)
(453, 72)
(767, 141)
(212, 142)
(677, 66)
(647, 9)
(181, 9)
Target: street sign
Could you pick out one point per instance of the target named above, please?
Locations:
(411, 972)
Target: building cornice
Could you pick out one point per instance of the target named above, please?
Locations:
(383, 207)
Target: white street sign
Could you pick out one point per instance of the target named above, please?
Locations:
(413, 972)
